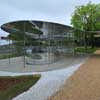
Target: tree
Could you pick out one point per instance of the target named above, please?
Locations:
(87, 18)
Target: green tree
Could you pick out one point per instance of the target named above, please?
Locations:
(87, 18)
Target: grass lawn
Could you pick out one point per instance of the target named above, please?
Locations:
(13, 86)
(5, 56)
(83, 50)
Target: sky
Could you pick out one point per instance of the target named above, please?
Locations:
(59, 11)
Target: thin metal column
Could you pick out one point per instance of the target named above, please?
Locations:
(24, 45)
(9, 51)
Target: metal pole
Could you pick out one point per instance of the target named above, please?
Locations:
(24, 46)
(9, 51)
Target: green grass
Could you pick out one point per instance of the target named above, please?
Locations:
(5, 56)
(83, 50)
(18, 88)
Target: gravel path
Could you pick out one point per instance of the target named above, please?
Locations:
(84, 84)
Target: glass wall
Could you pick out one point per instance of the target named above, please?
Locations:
(38, 42)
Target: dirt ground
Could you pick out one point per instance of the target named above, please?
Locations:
(84, 84)
(7, 82)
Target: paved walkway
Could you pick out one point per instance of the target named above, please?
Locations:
(84, 84)
(50, 81)
(17, 64)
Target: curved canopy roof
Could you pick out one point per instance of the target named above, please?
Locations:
(35, 28)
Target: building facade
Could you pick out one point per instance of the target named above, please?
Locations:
(39, 42)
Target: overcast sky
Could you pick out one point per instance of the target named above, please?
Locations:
(59, 11)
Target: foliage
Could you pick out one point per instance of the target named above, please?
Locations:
(6, 56)
(83, 50)
(86, 17)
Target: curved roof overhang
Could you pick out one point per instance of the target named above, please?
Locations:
(35, 28)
